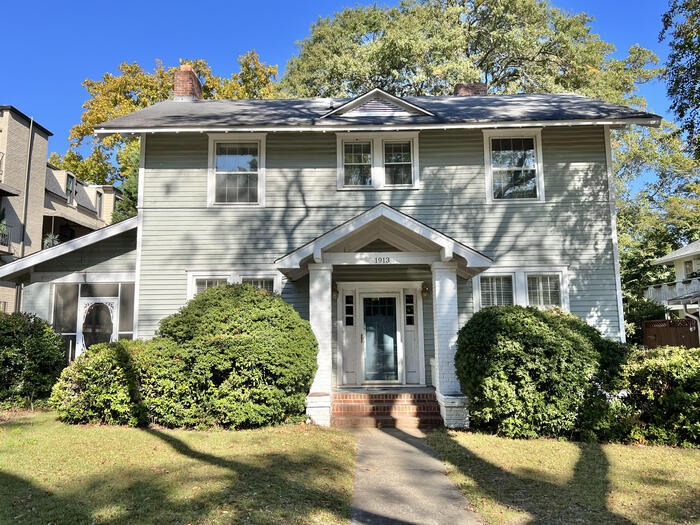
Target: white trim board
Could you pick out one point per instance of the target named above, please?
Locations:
(378, 93)
(390, 127)
(62, 249)
(84, 277)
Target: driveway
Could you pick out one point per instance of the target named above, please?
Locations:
(399, 480)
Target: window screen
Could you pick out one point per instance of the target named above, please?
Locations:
(65, 308)
(513, 168)
(357, 164)
(496, 290)
(99, 290)
(265, 284)
(126, 309)
(543, 290)
(237, 172)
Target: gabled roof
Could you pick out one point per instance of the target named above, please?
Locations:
(448, 246)
(48, 254)
(689, 250)
(325, 114)
(378, 102)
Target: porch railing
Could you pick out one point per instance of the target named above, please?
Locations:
(6, 239)
(662, 293)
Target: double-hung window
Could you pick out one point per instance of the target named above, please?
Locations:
(544, 287)
(264, 283)
(70, 188)
(198, 281)
(513, 165)
(375, 161)
(236, 169)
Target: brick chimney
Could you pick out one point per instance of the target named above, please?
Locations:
(472, 88)
(186, 84)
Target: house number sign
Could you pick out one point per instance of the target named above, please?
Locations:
(382, 260)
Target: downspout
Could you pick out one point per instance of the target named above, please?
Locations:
(30, 143)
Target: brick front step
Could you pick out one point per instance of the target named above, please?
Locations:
(385, 421)
(400, 409)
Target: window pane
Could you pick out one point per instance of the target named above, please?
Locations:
(496, 291)
(236, 187)
(265, 284)
(397, 152)
(398, 174)
(65, 308)
(515, 184)
(513, 153)
(543, 290)
(99, 290)
(203, 284)
(126, 308)
(236, 157)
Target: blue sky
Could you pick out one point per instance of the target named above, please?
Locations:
(51, 47)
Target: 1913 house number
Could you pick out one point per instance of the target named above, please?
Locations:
(382, 260)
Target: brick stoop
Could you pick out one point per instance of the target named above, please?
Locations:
(400, 410)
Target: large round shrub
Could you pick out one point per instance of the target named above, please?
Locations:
(31, 357)
(527, 372)
(100, 386)
(235, 356)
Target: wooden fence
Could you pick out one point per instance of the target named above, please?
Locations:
(674, 332)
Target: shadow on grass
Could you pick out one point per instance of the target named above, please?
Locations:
(583, 499)
(270, 488)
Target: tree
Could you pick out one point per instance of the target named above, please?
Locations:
(114, 158)
(681, 23)
(426, 47)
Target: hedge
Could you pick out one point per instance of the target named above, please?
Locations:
(31, 358)
(235, 356)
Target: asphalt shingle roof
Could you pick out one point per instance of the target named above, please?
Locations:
(688, 250)
(307, 112)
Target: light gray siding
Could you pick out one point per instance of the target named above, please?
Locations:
(571, 228)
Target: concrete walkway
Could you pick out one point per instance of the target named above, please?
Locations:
(398, 480)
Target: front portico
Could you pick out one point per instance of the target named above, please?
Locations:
(372, 283)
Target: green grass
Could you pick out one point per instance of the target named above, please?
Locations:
(550, 481)
(51, 472)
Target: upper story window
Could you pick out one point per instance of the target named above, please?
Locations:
(236, 169)
(688, 266)
(98, 204)
(513, 162)
(373, 161)
(70, 188)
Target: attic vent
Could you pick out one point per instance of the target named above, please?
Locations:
(379, 107)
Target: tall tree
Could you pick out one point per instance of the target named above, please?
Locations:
(115, 158)
(426, 47)
(681, 25)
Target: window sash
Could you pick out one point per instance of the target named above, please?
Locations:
(497, 290)
(349, 168)
(202, 283)
(264, 283)
(688, 268)
(389, 164)
(544, 290)
(98, 203)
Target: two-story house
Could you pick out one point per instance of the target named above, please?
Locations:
(386, 221)
(683, 294)
(40, 204)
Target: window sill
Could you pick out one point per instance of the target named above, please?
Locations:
(236, 205)
(382, 188)
(512, 201)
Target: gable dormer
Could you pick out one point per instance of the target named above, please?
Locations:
(377, 103)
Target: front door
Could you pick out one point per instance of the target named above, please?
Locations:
(380, 333)
(98, 320)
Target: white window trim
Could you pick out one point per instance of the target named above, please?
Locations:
(378, 175)
(519, 275)
(214, 138)
(533, 133)
(232, 277)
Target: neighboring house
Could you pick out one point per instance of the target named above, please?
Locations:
(682, 295)
(387, 222)
(39, 199)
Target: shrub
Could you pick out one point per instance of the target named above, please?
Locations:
(235, 356)
(100, 386)
(663, 392)
(527, 372)
(31, 358)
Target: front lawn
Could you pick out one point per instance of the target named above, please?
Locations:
(547, 481)
(51, 472)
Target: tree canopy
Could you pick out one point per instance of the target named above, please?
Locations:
(681, 25)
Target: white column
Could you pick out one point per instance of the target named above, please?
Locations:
(318, 402)
(453, 405)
